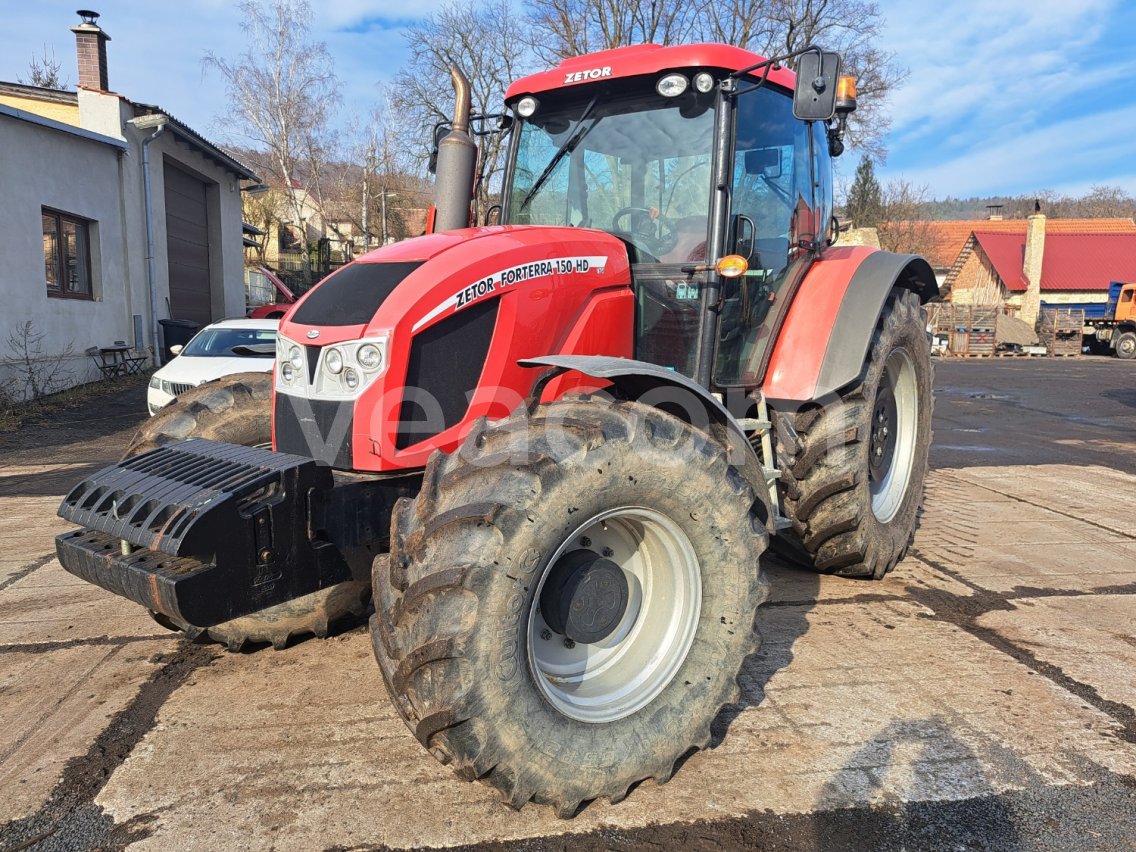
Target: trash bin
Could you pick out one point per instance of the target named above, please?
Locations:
(175, 331)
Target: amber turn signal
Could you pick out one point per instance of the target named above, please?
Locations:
(846, 94)
(732, 266)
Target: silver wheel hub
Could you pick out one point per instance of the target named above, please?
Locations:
(893, 435)
(614, 615)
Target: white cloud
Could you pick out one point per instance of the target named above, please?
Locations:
(1065, 156)
(990, 83)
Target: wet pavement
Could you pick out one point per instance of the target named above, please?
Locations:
(981, 696)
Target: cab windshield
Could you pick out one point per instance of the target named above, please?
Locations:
(637, 167)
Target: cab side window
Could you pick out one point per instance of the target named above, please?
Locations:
(772, 213)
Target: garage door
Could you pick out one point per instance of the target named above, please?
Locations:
(187, 236)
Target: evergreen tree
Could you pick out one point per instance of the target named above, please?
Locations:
(864, 207)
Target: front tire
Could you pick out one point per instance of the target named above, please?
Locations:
(473, 629)
(1126, 346)
(852, 471)
(237, 409)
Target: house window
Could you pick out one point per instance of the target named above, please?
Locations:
(66, 255)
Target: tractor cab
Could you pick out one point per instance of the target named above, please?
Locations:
(688, 155)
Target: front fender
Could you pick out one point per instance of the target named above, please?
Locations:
(824, 340)
(671, 392)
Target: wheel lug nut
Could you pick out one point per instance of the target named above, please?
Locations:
(585, 541)
(569, 643)
(546, 634)
(607, 551)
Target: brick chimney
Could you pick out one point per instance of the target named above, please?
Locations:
(1031, 265)
(90, 46)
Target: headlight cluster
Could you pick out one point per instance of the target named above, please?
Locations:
(343, 367)
(290, 358)
(355, 363)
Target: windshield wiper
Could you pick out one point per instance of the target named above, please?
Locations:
(569, 145)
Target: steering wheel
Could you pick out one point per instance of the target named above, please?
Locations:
(649, 227)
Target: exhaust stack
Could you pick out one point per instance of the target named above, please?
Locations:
(457, 158)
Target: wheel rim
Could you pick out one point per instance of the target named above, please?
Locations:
(1126, 345)
(894, 428)
(623, 672)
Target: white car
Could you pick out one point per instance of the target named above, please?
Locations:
(220, 349)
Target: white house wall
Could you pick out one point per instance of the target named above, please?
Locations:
(47, 167)
(43, 167)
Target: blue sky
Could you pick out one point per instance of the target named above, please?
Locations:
(1004, 97)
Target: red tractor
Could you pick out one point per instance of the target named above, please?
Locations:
(553, 451)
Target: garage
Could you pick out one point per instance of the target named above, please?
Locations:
(187, 239)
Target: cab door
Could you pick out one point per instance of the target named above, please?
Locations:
(775, 222)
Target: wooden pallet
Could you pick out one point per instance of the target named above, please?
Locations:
(1059, 330)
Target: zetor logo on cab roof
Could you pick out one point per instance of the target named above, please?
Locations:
(590, 74)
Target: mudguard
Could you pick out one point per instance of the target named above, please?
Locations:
(825, 337)
(669, 391)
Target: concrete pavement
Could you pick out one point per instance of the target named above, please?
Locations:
(986, 686)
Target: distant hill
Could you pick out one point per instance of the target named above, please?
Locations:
(1102, 202)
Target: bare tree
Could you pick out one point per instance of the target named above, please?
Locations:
(562, 28)
(1104, 202)
(1100, 202)
(850, 27)
(282, 91)
(904, 225)
(37, 372)
(44, 71)
(486, 40)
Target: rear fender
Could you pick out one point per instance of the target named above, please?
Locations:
(668, 391)
(825, 337)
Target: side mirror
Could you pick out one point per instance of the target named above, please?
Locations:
(176, 349)
(815, 96)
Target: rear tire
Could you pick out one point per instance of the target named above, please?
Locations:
(237, 410)
(852, 471)
(1126, 346)
(460, 632)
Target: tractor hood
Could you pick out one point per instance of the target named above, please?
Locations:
(450, 315)
(410, 285)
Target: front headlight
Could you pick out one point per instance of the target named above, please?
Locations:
(333, 360)
(155, 383)
(286, 372)
(296, 358)
(370, 357)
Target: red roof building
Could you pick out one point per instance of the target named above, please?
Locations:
(946, 238)
(1075, 266)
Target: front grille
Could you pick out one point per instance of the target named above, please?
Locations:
(445, 364)
(178, 388)
(316, 428)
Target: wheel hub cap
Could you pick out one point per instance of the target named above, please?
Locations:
(584, 597)
(615, 614)
(883, 434)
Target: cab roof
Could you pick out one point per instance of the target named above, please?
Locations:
(638, 60)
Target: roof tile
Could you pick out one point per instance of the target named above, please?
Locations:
(948, 236)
